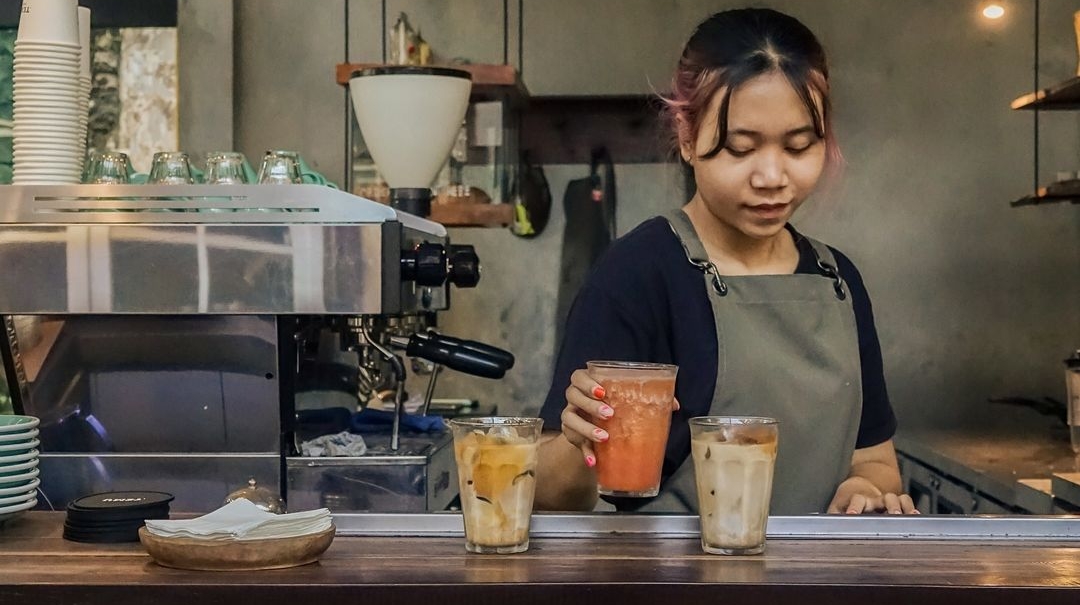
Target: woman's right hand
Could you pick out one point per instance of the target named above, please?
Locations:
(584, 403)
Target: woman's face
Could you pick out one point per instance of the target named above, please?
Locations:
(770, 162)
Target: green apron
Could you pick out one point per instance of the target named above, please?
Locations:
(787, 348)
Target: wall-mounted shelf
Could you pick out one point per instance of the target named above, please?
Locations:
(473, 215)
(1059, 97)
(1055, 193)
(490, 82)
(1063, 96)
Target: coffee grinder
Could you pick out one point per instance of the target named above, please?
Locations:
(409, 116)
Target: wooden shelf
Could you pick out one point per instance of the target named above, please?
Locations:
(473, 215)
(1055, 193)
(489, 81)
(1059, 97)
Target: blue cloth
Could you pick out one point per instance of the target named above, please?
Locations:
(367, 421)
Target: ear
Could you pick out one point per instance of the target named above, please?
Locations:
(686, 138)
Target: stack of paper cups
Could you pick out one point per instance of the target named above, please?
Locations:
(48, 145)
(84, 73)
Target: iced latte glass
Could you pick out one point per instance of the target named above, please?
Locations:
(496, 464)
(630, 461)
(733, 467)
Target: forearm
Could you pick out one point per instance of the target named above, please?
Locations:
(563, 482)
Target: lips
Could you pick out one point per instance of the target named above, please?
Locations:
(768, 210)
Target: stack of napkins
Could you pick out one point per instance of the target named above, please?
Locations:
(242, 520)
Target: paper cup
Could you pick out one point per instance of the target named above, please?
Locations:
(35, 63)
(35, 50)
(49, 21)
(48, 102)
(84, 41)
(49, 71)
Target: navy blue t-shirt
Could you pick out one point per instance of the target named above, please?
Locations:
(645, 302)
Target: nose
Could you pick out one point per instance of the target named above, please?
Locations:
(769, 171)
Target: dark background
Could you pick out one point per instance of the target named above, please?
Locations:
(109, 13)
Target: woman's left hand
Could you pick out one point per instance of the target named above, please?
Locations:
(857, 495)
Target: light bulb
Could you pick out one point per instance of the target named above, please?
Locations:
(994, 11)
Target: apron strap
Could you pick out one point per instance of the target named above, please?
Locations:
(695, 252)
(696, 255)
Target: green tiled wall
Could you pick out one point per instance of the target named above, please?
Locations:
(7, 52)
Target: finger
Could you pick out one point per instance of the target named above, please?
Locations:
(892, 504)
(874, 504)
(856, 505)
(834, 507)
(589, 407)
(585, 384)
(589, 453)
(907, 505)
(579, 431)
(675, 406)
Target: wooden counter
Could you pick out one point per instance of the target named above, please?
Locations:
(38, 567)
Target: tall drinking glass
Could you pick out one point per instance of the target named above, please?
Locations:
(171, 168)
(280, 168)
(630, 462)
(734, 458)
(225, 168)
(496, 462)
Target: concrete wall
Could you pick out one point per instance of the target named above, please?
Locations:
(973, 298)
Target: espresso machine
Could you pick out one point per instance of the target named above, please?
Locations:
(164, 334)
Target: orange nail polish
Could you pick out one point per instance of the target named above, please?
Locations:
(598, 392)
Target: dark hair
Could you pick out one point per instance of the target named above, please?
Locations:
(732, 47)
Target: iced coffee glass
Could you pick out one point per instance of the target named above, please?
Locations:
(734, 458)
(630, 461)
(496, 463)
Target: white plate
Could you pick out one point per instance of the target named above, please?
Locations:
(21, 477)
(18, 425)
(6, 462)
(16, 447)
(20, 489)
(15, 500)
(19, 467)
(11, 437)
(18, 507)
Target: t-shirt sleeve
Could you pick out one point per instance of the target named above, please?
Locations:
(878, 423)
(599, 327)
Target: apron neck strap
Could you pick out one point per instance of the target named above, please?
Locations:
(684, 231)
(695, 252)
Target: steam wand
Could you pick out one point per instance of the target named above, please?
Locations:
(399, 379)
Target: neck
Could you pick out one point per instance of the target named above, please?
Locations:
(734, 252)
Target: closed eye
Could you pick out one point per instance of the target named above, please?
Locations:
(739, 153)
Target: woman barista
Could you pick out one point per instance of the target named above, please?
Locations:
(761, 319)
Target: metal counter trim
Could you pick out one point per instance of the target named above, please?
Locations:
(818, 527)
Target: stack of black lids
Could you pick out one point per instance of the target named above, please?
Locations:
(113, 516)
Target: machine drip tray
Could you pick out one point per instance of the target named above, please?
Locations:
(419, 477)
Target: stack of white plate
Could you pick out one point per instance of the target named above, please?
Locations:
(18, 465)
(49, 142)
